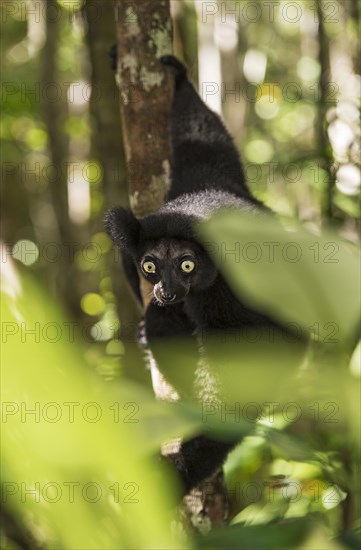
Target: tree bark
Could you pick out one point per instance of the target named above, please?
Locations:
(144, 32)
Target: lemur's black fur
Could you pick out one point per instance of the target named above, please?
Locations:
(206, 175)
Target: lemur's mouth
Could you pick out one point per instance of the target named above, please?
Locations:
(165, 298)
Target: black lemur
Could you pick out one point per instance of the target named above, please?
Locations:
(190, 296)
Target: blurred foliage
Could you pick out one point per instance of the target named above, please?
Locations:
(76, 448)
(77, 462)
(306, 271)
(294, 480)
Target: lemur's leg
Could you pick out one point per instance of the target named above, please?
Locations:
(199, 458)
(204, 155)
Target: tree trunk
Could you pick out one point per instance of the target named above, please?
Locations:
(54, 113)
(146, 92)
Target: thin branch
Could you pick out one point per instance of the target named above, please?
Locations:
(323, 140)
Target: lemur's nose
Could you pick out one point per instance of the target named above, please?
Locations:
(168, 297)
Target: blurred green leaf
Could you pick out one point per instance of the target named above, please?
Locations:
(76, 458)
(287, 535)
(290, 446)
(293, 275)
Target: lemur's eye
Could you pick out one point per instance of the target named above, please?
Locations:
(149, 267)
(188, 266)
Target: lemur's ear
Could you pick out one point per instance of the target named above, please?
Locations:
(123, 228)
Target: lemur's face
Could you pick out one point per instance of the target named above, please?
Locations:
(175, 268)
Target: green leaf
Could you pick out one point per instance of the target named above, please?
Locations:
(286, 535)
(291, 274)
(76, 465)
